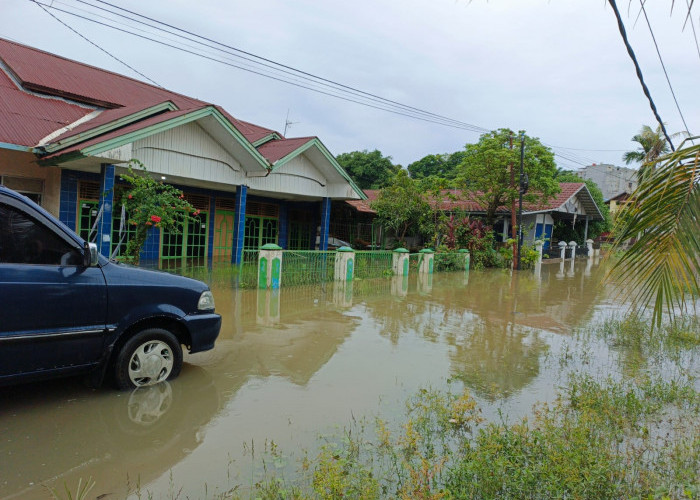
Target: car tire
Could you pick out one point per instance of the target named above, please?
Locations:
(147, 358)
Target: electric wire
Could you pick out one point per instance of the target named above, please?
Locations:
(645, 89)
(293, 76)
(97, 46)
(692, 25)
(375, 101)
(658, 53)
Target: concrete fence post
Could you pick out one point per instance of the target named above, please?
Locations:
(270, 266)
(572, 246)
(562, 249)
(427, 261)
(344, 264)
(589, 246)
(539, 246)
(399, 262)
(467, 258)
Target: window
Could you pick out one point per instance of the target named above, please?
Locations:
(23, 240)
(31, 188)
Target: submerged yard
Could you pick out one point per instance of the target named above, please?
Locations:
(468, 385)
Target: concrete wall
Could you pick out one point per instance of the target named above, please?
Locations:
(21, 164)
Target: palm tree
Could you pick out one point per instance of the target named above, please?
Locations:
(662, 266)
(652, 144)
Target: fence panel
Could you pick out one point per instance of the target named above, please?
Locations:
(373, 264)
(305, 267)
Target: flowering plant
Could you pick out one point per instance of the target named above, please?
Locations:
(150, 203)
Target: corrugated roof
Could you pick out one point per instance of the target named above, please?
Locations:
(277, 149)
(26, 118)
(454, 199)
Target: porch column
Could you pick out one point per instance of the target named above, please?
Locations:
(212, 227)
(283, 235)
(325, 223)
(585, 229)
(104, 224)
(239, 224)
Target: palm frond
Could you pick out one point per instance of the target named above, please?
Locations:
(662, 266)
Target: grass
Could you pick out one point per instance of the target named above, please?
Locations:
(632, 434)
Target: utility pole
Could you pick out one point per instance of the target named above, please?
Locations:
(522, 189)
(513, 222)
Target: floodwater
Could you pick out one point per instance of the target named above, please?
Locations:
(296, 364)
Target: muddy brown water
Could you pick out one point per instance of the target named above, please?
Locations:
(295, 364)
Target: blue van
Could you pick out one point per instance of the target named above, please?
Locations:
(65, 309)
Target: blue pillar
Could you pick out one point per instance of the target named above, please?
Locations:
(104, 228)
(325, 223)
(283, 236)
(239, 224)
(211, 222)
(68, 205)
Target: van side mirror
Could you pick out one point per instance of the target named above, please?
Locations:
(90, 255)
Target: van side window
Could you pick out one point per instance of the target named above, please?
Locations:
(23, 240)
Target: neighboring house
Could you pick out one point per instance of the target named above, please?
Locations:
(68, 130)
(573, 204)
(610, 179)
(617, 202)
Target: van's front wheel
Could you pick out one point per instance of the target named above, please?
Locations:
(149, 357)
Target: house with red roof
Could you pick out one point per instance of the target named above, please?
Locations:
(68, 131)
(573, 204)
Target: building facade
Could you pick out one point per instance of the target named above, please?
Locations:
(610, 179)
(68, 131)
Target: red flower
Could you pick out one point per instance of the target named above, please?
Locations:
(196, 213)
(149, 223)
(130, 196)
(155, 218)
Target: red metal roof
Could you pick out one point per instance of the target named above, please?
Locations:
(278, 149)
(454, 199)
(25, 119)
(71, 90)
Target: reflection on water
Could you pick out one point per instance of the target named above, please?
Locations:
(290, 363)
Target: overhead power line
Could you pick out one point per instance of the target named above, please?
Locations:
(258, 65)
(97, 46)
(658, 53)
(126, 21)
(645, 89)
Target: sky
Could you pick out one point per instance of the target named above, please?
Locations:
(557, 69)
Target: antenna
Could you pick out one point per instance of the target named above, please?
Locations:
(287, 124)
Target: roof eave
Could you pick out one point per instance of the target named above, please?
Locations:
(324, 151)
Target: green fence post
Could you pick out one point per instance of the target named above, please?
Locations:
(270, 266)
(467, 257)
(399, 262)
(426, 263)
(344, 264)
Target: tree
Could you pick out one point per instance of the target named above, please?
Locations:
(486, 176)
(652, 144)
(401, 206)
(369, 170)
(151, 204)
(662, 266)
(443, 166)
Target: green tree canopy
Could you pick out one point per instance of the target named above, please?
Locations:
(652, 144)
(401, 206)
(443, 166)
(485, 171)
(369, 170)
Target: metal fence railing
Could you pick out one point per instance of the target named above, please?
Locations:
(305, 267)
(373, 264)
